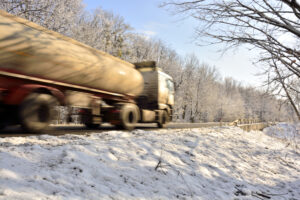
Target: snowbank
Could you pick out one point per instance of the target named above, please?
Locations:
(287, 132)
(209, 163)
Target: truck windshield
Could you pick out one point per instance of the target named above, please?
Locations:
(170, 85)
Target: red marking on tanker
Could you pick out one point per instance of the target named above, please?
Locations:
(100, 93)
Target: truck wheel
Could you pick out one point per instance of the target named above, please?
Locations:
(129, 116)
(36, 112)
(163, 119)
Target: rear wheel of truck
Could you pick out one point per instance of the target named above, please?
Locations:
(36, 112)
(163, 119)
(129, 116)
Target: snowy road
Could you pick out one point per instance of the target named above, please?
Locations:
(82, 130)
(208, 163)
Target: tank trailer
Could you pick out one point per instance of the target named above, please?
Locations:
(41, 69)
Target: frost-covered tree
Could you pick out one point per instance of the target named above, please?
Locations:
(103, 30)
(55, 15)
(271, 27)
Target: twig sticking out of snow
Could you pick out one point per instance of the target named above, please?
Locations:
(159, 160)
(289, 164)
(263, 195)
(160, 165)
(260, 195)
(239, 192)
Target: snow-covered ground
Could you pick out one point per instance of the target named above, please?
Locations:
(208, 163)
(287, 132)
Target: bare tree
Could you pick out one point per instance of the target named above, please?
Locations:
(269, 25)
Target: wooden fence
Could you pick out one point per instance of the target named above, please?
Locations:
(250, 124)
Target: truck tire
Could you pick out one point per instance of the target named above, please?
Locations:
(129, 116)
(36, 112)
(163, 119)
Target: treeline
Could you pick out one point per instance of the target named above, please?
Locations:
(202, 95)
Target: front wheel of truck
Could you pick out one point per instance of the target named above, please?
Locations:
(36, 112)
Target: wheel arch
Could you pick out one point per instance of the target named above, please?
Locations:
(17, 95)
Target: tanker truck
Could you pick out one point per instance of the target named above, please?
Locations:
(41, 69)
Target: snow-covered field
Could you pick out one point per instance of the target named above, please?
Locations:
(208, 163)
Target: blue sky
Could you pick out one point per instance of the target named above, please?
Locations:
(146, 17)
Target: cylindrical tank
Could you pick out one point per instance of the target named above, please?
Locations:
(30, 49)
